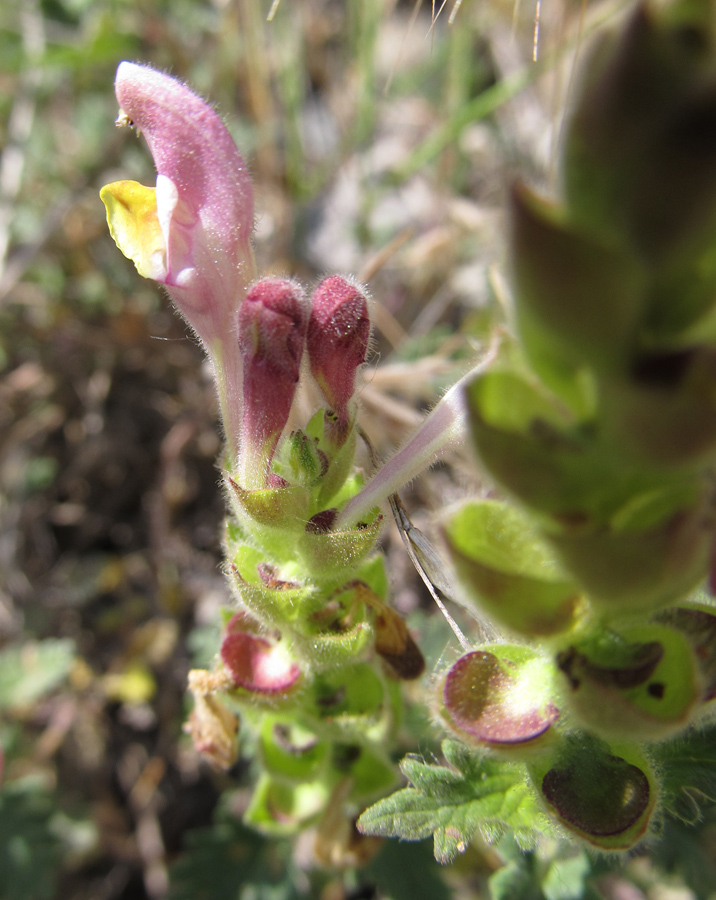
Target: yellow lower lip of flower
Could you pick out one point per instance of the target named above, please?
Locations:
(133, 223)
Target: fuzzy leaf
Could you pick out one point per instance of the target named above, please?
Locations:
(466, 760)
(453, 808)
(407, 872)
(228, 861)
(688, 764)
(515, 881)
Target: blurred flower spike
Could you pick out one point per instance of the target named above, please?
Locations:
(192, 232)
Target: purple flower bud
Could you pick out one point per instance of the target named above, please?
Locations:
(272, 333)
(338, 335)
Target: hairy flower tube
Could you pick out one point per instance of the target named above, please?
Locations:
(192, 232)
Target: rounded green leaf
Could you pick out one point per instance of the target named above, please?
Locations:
(664, 414)
(283, 507)
(269, 596)
(279, 808)
(323, 650)
(572, 292)
(330, 554)
(341, 697)
(538, 452)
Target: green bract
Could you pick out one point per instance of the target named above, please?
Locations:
(508, 570)
(603, 794)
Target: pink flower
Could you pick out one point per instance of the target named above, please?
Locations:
(192, 232)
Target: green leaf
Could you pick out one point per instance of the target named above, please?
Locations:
(437, 782)
(335, 553)
(275, 604)
(290, 751)
(229, 861)
(603, 793)
(688, 768)
(407, 872)
(371, 776)
(640, 683)
(466, 760)
(30, 853)
(515, 881)
(580, 298)
(34, 669)
(348, 695)
(565, 878)
(452, 808)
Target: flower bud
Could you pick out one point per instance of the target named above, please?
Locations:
(338, 334)
(272, 333)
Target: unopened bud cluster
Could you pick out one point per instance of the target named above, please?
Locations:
(312, 662)
(600, 420)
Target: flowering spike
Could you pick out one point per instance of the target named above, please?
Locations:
(272, 333)
(338, 334)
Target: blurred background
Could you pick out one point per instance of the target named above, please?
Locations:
(381, 136)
